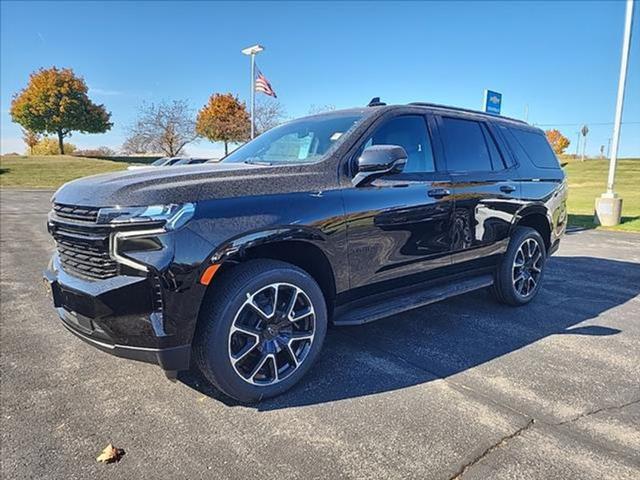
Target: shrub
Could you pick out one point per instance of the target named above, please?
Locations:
(49, 146)
(95, 152)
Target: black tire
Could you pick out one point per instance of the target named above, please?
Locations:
(226, 305)
(506, 289)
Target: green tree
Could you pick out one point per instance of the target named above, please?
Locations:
(224, 119)
(56, 102)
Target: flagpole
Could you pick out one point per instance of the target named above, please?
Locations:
(252, 52)
(609, 204)
(253, 95)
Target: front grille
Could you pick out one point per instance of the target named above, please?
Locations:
(78, 214)
(83, 250)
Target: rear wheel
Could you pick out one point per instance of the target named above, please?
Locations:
(521, 270)
(261, 329)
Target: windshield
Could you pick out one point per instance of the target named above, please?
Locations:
(159, 162)
(191, 161)
(301, 141)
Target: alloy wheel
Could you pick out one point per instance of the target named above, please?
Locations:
(271, 334)
(527, 267)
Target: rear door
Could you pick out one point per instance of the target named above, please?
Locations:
(399, 225)
(485, 189)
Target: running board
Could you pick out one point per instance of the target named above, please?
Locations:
(369, 313)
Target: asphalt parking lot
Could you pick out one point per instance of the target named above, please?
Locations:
(465, 388)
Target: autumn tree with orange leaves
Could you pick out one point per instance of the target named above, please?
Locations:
(224, 119)
(56, 102)
(558, 142)
(30, 138)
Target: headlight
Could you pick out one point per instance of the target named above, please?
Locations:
(171, 216)
(151, 221)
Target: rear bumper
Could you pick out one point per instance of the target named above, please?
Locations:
(117, 316)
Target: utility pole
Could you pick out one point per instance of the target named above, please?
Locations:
(578, 144)
(609, 205)
(252, 52)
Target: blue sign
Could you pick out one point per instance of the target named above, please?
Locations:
(492, 102)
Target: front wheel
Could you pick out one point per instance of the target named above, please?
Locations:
(519, 275)
(261, 329)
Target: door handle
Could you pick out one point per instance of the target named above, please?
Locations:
(507, 188)
(438, 193)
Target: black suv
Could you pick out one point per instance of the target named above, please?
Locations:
(343, 217)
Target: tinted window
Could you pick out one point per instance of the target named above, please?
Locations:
(465, 146)
(534, 146)
(409, 132)
(496, 157)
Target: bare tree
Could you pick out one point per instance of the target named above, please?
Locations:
(315, 109)
(136, 145)
(166, 127)
(269, 113)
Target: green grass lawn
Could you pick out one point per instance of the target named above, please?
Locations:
(50, 171)
(587, 180)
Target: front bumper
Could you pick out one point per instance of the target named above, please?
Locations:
(119, 316)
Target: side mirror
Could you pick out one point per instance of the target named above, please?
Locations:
(379, 160)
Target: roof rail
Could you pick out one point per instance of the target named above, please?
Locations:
(466, 110)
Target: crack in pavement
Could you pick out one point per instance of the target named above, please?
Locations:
(490, 449)
(593, 412)
(503, 440)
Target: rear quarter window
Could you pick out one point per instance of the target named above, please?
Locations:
(533, 145)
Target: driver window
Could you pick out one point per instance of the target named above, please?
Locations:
(409, 132)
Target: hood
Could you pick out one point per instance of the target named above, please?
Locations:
(191, 183)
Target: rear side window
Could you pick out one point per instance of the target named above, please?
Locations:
(465, 146)
(496, 157)
(534, 145)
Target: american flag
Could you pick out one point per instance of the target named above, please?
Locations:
(263, 85)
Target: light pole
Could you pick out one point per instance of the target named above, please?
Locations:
(609, 205)
(252, 52)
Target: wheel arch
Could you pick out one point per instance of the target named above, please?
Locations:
(301, 246)
(305, 255)
(536, 217)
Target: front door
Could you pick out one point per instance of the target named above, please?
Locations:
(398, 226)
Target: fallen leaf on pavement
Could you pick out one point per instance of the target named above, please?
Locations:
(110, 454)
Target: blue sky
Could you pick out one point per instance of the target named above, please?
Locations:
(559, 58)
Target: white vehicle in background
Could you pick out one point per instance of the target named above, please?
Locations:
(170, 161)
(192, 161)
